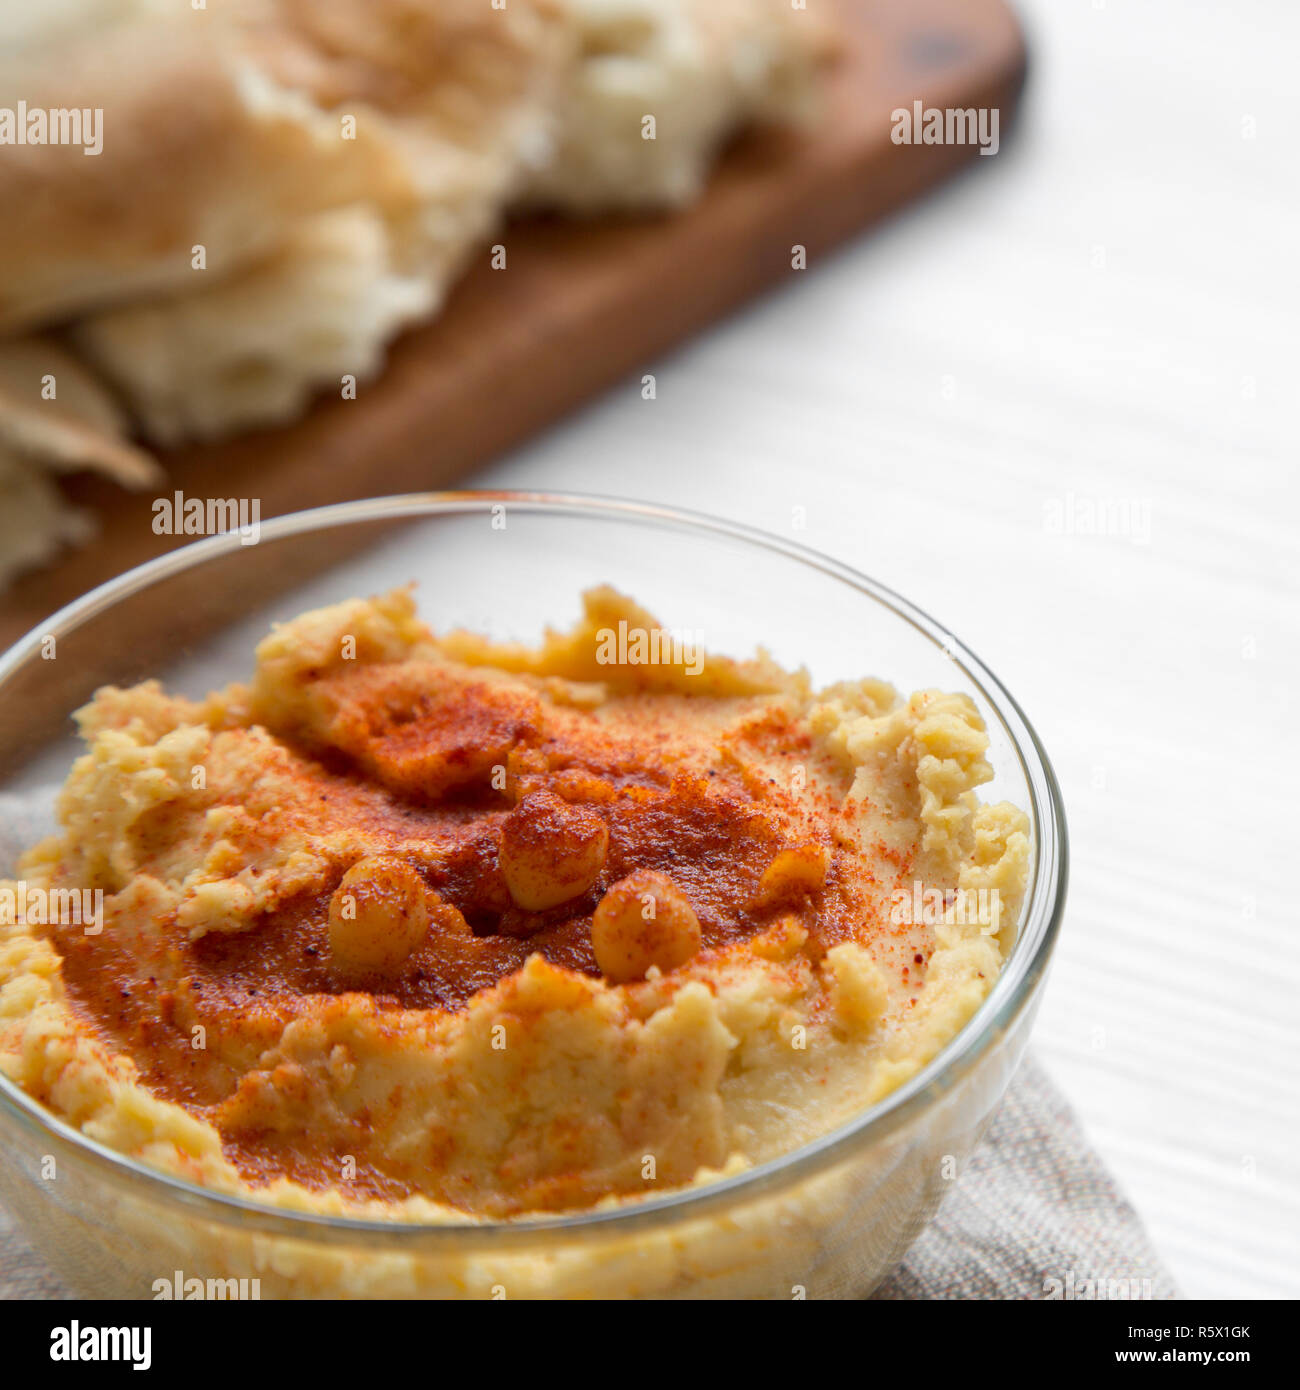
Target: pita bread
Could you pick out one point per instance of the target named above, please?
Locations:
(223, 128)
(283, 185)
(702, 69)
(254, 348)
(56, 414)
(35, 520)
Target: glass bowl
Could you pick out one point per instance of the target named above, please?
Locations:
(830, 1219)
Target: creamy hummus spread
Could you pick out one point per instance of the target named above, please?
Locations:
(431, 927)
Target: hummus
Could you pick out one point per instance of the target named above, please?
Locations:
(432, 928)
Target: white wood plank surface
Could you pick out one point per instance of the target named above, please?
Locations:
(1104, 315)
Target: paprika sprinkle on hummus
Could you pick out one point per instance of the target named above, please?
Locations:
(435, 927)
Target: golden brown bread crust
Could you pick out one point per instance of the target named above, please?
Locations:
(459, 62)
(222, 128)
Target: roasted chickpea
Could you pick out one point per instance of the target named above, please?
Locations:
(644, 920)
(792, 874)
(379, 914)
(550, 851)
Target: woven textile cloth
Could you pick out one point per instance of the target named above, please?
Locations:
(1035, 1215)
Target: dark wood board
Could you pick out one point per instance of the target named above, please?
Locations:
(583, 304)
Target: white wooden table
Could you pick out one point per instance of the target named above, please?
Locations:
(1099, 323)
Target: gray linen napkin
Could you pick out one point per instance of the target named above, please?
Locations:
(1034, 1215)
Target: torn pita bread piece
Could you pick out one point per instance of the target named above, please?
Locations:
(252, 349)
(36, 521)
(55, 417)
(54, 414)
(334, 161)
(276, 188)
(661, 85)
(224, 127)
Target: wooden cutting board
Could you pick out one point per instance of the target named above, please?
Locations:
(585, 303)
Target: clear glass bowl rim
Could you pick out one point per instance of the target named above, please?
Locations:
(1013, 992)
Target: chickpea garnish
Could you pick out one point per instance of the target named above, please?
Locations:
(792, 874)
(379, 914)
(644, 920)
(550, 851)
